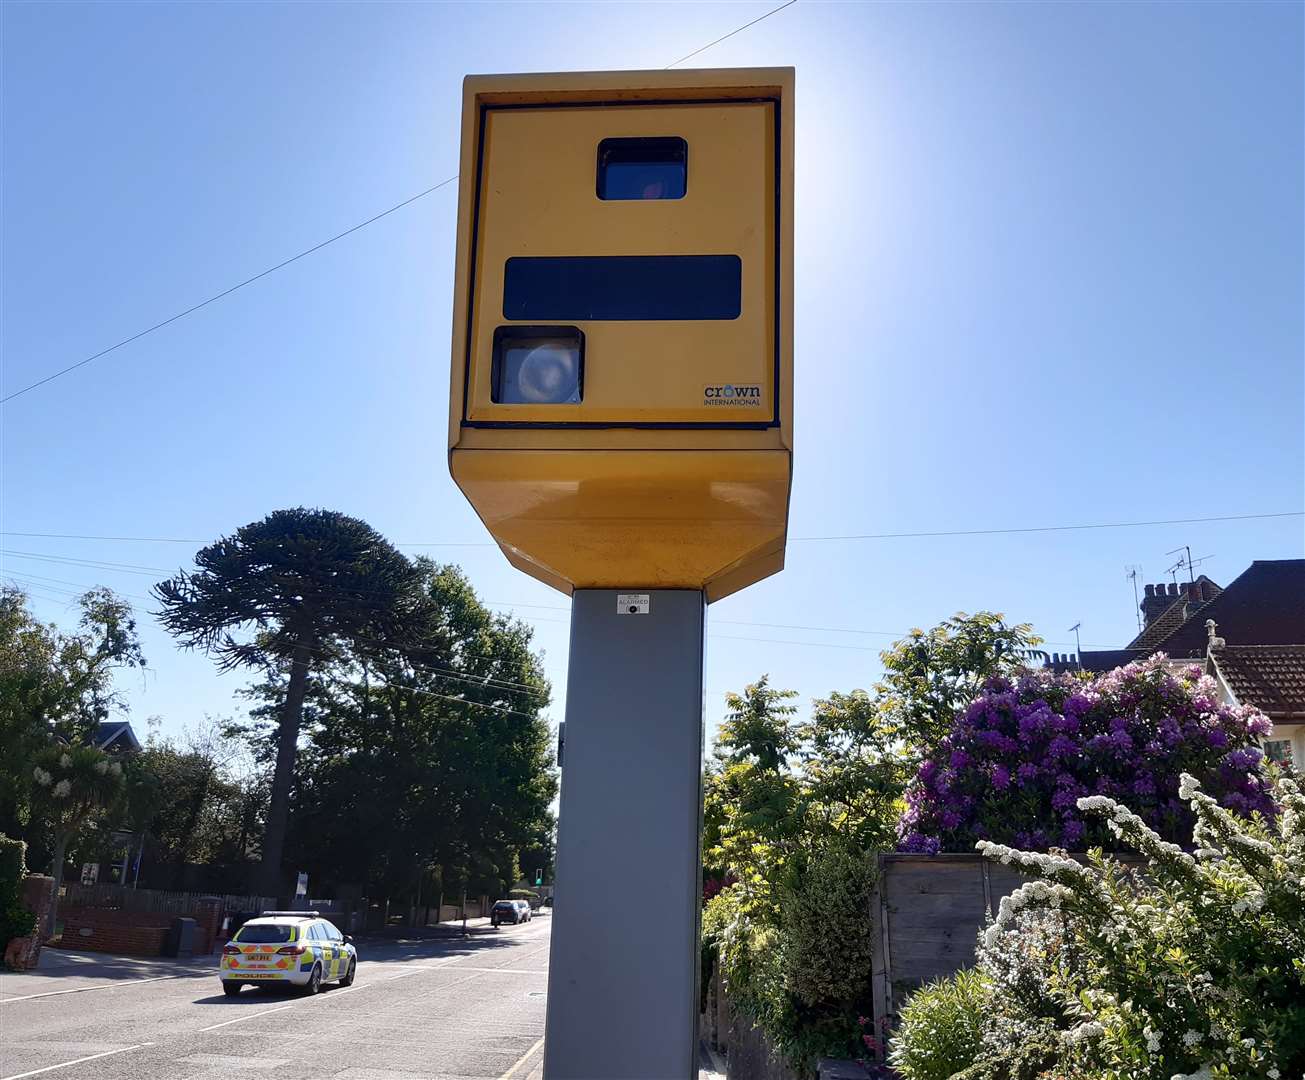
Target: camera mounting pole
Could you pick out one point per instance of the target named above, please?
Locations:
(624, 964)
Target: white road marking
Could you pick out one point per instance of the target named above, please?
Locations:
(239, 1019)
(106, 986)
(75, 1061)
(503, 970)
(521, 1061)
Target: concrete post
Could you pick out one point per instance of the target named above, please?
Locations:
(624, 963)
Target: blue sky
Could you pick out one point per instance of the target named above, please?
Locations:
(1049, 272)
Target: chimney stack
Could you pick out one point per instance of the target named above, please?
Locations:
(1157, 599)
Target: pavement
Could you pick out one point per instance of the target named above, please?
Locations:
(424, 1006)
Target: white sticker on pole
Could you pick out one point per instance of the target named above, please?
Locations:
(635, 603)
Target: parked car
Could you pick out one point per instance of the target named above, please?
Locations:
(287, 948)
(513, 911)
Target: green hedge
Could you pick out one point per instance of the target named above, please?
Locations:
(16, 919)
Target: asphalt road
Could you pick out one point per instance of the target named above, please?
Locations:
(438, 1010)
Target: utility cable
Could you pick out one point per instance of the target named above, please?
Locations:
(226, 292)
(791, 539)
(772, 11)
(1046, 528)
(315, 248)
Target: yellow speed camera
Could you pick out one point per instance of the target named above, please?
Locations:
(622, 375)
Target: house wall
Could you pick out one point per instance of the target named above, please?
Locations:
(1295, 734)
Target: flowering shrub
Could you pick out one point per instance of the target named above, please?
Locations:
(1194, 971)
(1021, 756)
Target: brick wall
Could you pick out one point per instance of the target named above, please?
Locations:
(133, 933)
(90, 929)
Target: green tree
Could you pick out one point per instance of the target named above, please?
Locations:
(931, 675)
(75, 786)
(432, 760)
(55, 683)
(302, 587)
(796, 812)
(190, 802)
(754, 800)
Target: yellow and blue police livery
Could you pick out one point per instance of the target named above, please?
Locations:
(287, 948)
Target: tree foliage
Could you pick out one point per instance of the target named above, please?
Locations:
(930, 675)
(74, 787)
(55, 685)
(195, 804)
(301, 588)
(431, 762)
(796, 811)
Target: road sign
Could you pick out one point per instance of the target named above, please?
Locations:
(621, 407)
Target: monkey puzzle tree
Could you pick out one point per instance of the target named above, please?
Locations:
(300, 587)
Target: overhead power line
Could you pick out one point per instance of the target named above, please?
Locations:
(1045, 528)
(225, 292)
(792, 539)
(316, 247)
(759, 18)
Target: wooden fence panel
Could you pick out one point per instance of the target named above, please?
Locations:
(927, 912)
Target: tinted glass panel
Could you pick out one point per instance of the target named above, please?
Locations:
(643, 168)
(623, 287)
(538, 365)
(265, 934)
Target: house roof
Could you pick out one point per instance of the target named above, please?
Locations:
(1176, 614)
(116, 734)
(1269, 677)
(1265, 605)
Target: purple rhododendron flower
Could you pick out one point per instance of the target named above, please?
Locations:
(1026, 749)
(1062, 746)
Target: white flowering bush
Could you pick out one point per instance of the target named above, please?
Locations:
(1193, 969)
(76, 786)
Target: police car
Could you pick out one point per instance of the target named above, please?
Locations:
(287, 948)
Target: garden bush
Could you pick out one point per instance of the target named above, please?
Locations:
(16, 919)
(941, 1029)
(1020, 757)
(1191, 970)
(1195, 969)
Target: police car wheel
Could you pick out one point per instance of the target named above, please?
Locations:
(348, 975)
(314, 983)
(231, 989)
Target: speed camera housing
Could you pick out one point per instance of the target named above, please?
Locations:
(622, 373)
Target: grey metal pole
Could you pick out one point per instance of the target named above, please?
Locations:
(624, 963)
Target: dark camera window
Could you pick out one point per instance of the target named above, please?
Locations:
(643, 168)
(538, 365)
(597, 288)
